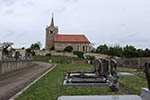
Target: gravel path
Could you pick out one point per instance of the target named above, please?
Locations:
(13, 82)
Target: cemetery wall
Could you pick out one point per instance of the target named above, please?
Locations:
(133, 62)
(8, 66)
(96, 55)
(54, 53)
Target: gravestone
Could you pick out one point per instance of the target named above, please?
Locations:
(94, 78)
(147, 72)
(145, 92)
(113, 67)
(99, 67)
(105, 67)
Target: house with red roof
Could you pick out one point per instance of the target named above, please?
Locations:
(59, 42)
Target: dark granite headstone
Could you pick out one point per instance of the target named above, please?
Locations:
(105, 67)
(99, 67)
(147, 71)
(113, 65)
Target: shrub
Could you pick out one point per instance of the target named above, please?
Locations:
(68, 49)
(48, 54)
(33, 53)
(90, 57)
(79, 54)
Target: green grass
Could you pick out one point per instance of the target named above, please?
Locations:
(56, 59)
(133, 85)
(50, 86)
(41, 58)
(64, 60)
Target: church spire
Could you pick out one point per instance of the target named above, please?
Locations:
(52, 21)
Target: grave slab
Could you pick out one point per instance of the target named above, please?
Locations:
(85, 84)
(109, 97)
(145, 94)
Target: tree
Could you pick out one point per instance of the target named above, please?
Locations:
(146, 53)
(23, 48)
(103, 49)
(115, 51)
(68, 49)
(7, 47)
(79, 54)
(130, 51)
(28, 50)
(39, 43)
(140, 52)
(35, 46)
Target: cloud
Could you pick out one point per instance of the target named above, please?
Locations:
(102, 21)
(27, 4)
(8, 2)
(71, 0)
(9, 11)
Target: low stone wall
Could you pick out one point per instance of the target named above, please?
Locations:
(8, 66)
(54, 53)
(133, 62)
(42, 52)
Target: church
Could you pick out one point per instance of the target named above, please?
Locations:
(59, 42)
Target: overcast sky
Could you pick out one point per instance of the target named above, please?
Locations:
(102, 21)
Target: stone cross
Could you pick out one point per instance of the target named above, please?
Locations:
(147, 72)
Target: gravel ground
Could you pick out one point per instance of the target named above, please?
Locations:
(13, 82)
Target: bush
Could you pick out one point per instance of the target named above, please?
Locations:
(33, 53)
(90, 58)
(48, 54)
(79, 54)
(68, 49)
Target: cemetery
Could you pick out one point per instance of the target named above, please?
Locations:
(74, 78)
(74, 50)
(75, 82)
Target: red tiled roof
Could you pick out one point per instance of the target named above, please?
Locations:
(71, 38)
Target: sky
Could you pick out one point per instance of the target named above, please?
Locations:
(110, 22)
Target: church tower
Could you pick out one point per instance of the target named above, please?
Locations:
(51, 32)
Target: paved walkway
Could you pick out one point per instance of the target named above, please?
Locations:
(13, 82)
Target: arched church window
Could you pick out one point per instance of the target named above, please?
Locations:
(83, 48)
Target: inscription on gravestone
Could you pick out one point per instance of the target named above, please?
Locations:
(115, 97)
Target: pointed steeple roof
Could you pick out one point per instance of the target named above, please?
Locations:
(52, 20)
